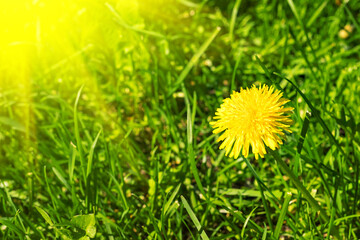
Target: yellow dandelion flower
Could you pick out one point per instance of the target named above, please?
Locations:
(252, 117)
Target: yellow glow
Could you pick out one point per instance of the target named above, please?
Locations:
(36, 35)
(41, 45)
(49, 48)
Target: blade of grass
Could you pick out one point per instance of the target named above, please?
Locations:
(339, 220)
(193, 60)
(171, 199)
(77, 133)
(242, 218)
(274, 197)
(263, 199)
(194, 104)
(233, 18)
(61, 178)
(12, 227)
(265, 233)
(303, 53)
(194, 219)
(266, 207)
(12, 123)
(332, 218)
(317, 13)
(156, 227)
(316, 114)
(91, 154)
(32, 225)
(90, 189)
(283, 212)
(267, 73)
(304, 191)
(53, 198)
(190, 145)
(259, 180)
(299, 186)
(155, 182)
(353, 19)
(121, 21)
(304, 130)
(72, 164)
(227, 167)
(45, 215)
(316, 60)
(283, 52)
(357, 176)
(121, 192)
(232, 86)
(246, 222)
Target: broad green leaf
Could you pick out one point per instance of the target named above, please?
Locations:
(12, 123)
(86, 223)
(45, 215)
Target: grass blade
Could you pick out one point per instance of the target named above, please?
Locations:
(283, 212)
(77, 132)
(316, 13)
(263, 199)
(316, 114)
(232, 86)
(264, 234)
(246, 222)
(72, 164)
(316, 60)
(121, 192)
(259, 180)
(194, 218)
(61, 178)
(91, 154)
(356, 24)
(304, 130)
(12, 227)
(121, 21)
(193, 60)
(233, 18)
(190, 145)
(299, 186)
(12, 123)
(171, 199)
(45, 215)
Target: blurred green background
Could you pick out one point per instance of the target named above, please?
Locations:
(105, 110)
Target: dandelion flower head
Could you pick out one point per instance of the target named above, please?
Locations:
(252, 117)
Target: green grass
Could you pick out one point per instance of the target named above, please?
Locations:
(104, 121)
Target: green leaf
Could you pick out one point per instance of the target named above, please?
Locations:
(86, 223)
(61, 178)
(12, 123)
(45, 215)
